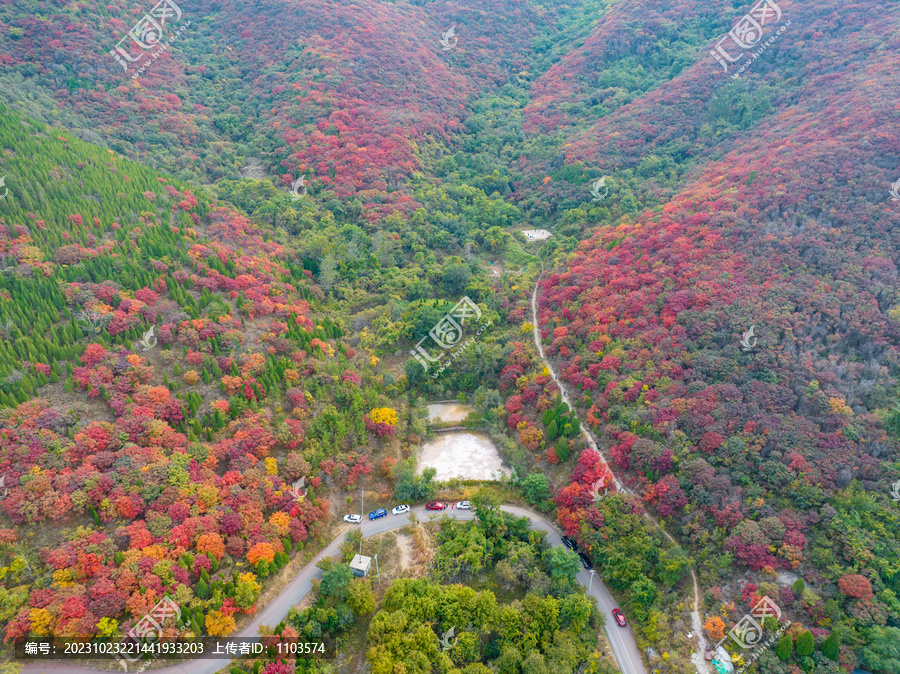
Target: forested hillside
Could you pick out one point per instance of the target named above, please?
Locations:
(140, 464)
(774, 456)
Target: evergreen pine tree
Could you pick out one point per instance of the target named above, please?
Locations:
(832, 646)
(785, 648)
(805, 644)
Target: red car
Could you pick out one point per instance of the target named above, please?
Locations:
(435, 505)
(620, 617)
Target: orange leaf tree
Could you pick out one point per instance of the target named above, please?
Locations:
(715, 627)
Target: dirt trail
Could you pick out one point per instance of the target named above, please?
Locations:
(696, 656)
(564, 394)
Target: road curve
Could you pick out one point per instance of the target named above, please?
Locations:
(696, 656)
(621, 640)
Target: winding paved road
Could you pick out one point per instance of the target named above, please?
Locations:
(621, 639)
(696, 656)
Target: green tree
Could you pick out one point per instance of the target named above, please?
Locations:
(336, 582)
(562, 449)
(832, 646)
(535, 664)
(360, 597)
(785, 648)
(672, 564)
(575, 612)
(456, 278)
(535, 487)
(643, 591)
(552, 431)
(882, 652)
(564, 564)
(415, 373)
(806, 644)
(798, 587)
(246, 590)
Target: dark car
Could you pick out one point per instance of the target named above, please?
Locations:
(620, 617)
(569, 543)
(585, 562)
(435, 505)
(381, 512)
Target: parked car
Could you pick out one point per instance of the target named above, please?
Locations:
(585, 562)
(569, 543)
(381, 512)
(620, 617)
(400, 509)
(464, 505)
(435, 505)
(353, 519)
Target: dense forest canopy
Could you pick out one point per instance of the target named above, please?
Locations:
(201, 368)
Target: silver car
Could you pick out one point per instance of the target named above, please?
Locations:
(400, 509)
(353, 519)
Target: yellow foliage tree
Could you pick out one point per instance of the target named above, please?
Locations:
(218, 624)
(384, 415)
(271, 465)
(280, 522)
(107, 627)
(838, 405)
(41, 621)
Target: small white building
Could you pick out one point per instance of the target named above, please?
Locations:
(361, 565)
(536, 234)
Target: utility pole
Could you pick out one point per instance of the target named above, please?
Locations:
(591, 584)
(377, 572)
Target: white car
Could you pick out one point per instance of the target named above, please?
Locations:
(463, 505)
(400, 509)
(353, 519)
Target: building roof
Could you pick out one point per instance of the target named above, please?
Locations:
(360, 562)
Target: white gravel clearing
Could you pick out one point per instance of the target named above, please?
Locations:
(465, 455)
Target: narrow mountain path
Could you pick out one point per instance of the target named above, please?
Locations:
(696, 623)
